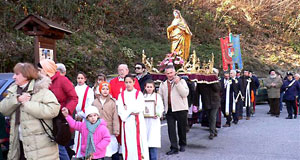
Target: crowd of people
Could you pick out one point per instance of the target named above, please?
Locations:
(114, 120)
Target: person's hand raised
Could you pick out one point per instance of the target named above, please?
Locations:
(25, 97)
(176, 79)
(65, 111)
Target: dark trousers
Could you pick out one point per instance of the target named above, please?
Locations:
(291, 107)
(212, 116)
(235, 117)
(181, 118)
(229, 116)
(239, 108)
(115, 156)
(22, 155)
(274, 106)
(248, 111)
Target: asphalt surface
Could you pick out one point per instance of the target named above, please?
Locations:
(261, 138)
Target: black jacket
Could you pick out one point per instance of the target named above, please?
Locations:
(210, 95)
(142, 81)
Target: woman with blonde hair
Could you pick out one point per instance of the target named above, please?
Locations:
(180, 35)
(28, 101)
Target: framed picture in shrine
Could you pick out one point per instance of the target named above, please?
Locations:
(150, 109)
(46, 54)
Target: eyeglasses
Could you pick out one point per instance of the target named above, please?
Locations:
(138, 68)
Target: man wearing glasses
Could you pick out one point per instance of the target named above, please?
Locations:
(141, 74)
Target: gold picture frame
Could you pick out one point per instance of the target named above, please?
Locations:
(150, 109)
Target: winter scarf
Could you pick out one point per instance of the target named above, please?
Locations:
(90, 147)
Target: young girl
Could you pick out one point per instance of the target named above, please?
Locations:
(95, 135)
(85, 98)
(131, 105)
(153, 123)
(101, 78)
(108, 111)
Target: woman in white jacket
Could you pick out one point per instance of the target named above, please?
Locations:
(153, 121)
(85, 98)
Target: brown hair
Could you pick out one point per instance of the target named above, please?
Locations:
(27, 70)
(130, 76)
(84, 75)
(101, 75)
(149, 81)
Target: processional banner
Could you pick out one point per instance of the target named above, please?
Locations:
(237, 56)
(231, 52)
(227, 60)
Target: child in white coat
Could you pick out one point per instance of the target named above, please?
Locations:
(153, 122)
(131, 105)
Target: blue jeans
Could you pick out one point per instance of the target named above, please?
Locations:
(153, 153)
(63, 154)
(280, 103)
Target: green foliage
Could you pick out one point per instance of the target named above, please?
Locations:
(296, 46)
(110, 32)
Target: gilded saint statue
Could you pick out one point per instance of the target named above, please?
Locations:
(180, 35)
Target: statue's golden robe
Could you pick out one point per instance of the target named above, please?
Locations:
(180, 35)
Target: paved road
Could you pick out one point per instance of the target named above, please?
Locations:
(261, 138)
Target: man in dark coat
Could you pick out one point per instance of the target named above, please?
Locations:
(142, 75)
(247, 84)
(238, 73)
(236, 85)
(256, 86)
(229, 93)
(210, 97)
(290, 88)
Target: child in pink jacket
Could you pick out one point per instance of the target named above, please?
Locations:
(95, 135)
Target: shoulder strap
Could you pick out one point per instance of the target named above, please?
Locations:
(51, 130)
(289, 86)
(122, 95)
(84, 99)
(291, 83)
(136, 94)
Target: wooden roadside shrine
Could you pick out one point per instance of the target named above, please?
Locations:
(45, 32)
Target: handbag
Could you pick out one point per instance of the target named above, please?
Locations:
(60, 133)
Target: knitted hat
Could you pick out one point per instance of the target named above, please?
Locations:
(49, 67)
(104, 83)
(91, 109)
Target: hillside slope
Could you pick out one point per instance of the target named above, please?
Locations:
(110, 32)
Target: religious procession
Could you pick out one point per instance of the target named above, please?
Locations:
(44, 115)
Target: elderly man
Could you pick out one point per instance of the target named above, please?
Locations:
(230, 91)
(174, 92)
(118, 84)
(247, 85)
(141, 74)
(61, 68)
(273, 84)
